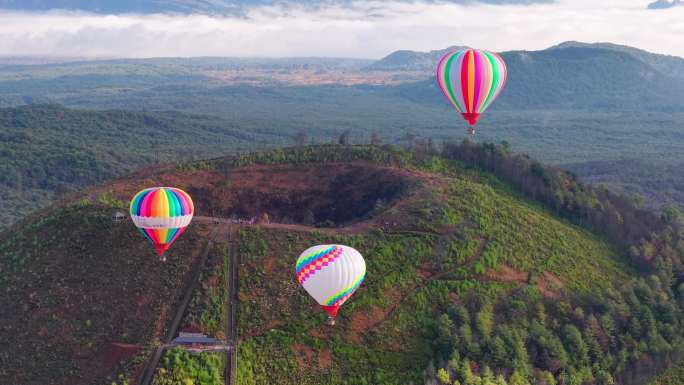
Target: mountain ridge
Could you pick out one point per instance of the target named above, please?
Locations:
(668, 64)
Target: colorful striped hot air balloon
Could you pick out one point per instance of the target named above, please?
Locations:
(330, 274)
(471, 79)
(161, 214)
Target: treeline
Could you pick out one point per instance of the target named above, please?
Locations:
(652, 240)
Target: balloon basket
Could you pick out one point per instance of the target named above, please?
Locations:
(161, 249)
(471, 117)
(331, 321)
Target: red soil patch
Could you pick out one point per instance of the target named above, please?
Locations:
(322, 332)
(274, 324)
(116, 353)
(144, 300)
(550, 278)
(304, 356)
(550, 285)
(425, 271)
(324, 358)
(160, 324)
(506, 274)
(107, 360)
(268, 264)
(362, 321)
(308, 358)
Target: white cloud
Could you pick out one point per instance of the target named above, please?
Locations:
(368, 29)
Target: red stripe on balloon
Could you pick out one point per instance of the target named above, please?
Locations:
(464, 80)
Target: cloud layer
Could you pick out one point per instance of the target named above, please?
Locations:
(363, 29)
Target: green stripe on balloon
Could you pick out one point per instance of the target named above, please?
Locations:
(173, 204)
(447, 80)
(495, 80)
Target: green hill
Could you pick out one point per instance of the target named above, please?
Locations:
(471, 275)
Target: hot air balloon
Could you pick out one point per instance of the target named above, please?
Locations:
(330, 274)
(471, 79)
(162, 214)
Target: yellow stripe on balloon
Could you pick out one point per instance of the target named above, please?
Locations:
(160, 204)
(163, 235)
(471, 80)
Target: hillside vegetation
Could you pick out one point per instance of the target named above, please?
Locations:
(47, 150)
(476, 275)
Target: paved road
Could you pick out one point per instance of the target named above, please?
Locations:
(231, 333)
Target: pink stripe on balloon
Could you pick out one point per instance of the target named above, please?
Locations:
(477, 57)
(153, 235)
(146, 205)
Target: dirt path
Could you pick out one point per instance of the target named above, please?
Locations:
(353, 229)
(356, 228)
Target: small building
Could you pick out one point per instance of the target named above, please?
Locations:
(198, 343)
(119, 216)
(195, 339)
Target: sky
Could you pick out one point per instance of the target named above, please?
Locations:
(360, 29)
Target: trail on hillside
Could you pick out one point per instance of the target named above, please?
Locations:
(393, 309)
(352, 229)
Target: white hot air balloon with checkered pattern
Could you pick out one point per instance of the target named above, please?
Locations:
(330, 274)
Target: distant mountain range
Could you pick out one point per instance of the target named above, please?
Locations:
(567, 76)
(411, 60)
(414, 60)
(218, 7)
(132, 6)
(664, 4)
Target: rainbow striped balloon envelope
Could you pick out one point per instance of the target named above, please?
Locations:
(162, 214)
(471, 79)
(330, 274)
